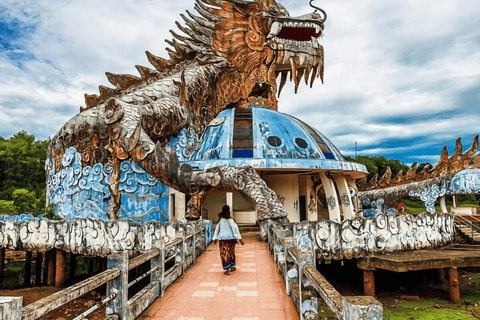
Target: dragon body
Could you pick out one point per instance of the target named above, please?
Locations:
(229, 56)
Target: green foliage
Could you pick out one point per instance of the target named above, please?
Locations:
(378, 165)
(431, 309)
(22, 162)
(24, 201)
(6, 207)
(22, 175)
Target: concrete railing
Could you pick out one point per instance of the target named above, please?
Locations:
(305, 284)
(168, 261)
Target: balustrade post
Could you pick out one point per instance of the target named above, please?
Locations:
(156, 276)
(11, 308)
(305, 258)
(118, 286)
(289, 243)
(183, 246)
(161, 245)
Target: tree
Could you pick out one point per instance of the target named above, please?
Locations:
(22, 162)
(24, 201)
(378, 165)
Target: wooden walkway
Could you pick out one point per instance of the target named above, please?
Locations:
(255, 291)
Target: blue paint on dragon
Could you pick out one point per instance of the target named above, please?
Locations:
(82, 192)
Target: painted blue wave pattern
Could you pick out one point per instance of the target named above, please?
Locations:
(83, 192)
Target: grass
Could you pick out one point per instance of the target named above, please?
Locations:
(415, 209)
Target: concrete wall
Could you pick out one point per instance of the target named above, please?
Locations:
(243, 209)
(286, 186)
(177, 206)
(214, 202)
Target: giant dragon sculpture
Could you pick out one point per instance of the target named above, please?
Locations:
(229, 56)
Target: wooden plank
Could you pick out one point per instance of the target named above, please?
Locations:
(172, 244)
(111, 317)
(139, 302)
(135, 262)
(421, 260)
(328, 293)
(41, 307)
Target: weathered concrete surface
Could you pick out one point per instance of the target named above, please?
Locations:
(362, 308)
(11, 308)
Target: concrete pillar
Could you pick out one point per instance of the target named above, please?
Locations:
(60, 269)
(2, 266)
(45, 268)
(369, 282)
(119, 286)
(443, 206)
(332, 199)
(343, 189)
(73, 266)
(27, 270)
(454, 197)
(454, 290)
(38, 269)
(229, 201)
(441, 275)
(52, 255)
(11, 308)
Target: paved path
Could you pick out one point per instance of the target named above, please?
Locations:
(254, 291)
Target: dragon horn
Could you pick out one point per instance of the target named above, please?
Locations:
(473, 149)
(317, 8)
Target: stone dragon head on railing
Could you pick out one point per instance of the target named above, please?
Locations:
(229, 56)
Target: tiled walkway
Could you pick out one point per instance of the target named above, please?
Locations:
(254, 291)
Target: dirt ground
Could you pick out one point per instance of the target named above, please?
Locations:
(68, 311)
(411, 295)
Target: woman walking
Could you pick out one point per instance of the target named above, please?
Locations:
(228, 234)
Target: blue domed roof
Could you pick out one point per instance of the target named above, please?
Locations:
(264, 139)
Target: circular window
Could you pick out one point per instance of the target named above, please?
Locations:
(301, 143)
(274, 141)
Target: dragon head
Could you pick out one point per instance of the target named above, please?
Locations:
(249, 43)
(253, 42)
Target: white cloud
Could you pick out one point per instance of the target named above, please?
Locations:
(393, 70)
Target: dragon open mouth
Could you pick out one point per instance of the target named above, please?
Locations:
(299, 31)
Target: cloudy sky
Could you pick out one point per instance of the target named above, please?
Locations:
(402, 77)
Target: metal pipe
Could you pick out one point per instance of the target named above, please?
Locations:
(141, 277)
(95, 307)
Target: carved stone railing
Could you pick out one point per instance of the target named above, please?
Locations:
(168, 261)
(296, 247)
(358, 237)
(305, 284)
(93, 237)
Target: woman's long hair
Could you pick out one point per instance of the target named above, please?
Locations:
(225, 214)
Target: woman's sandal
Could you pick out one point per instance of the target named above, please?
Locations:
(227, 272)
(233, 269)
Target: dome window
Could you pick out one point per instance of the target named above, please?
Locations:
(301, 143)
(274, 141)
